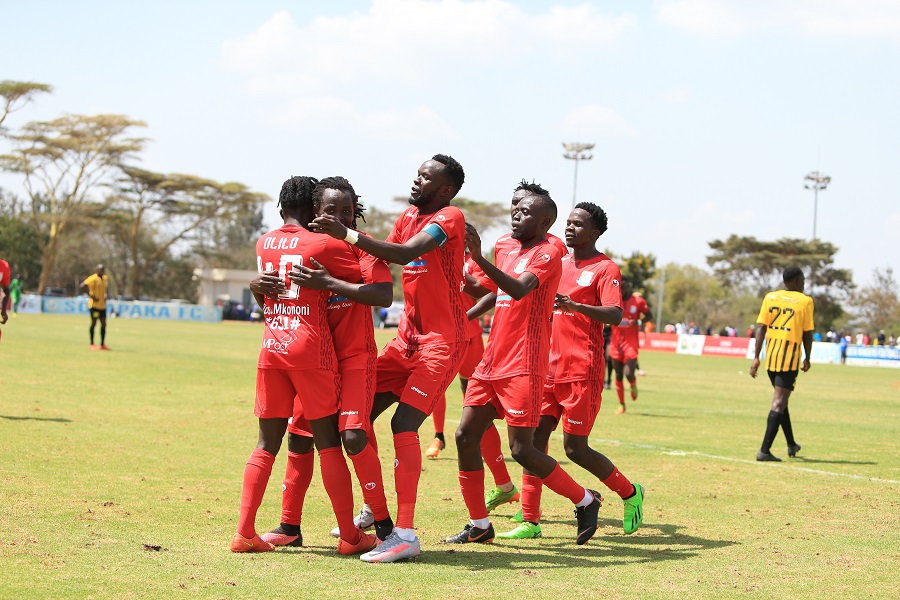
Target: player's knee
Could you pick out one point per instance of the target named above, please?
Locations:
(354, 440)
(299, 444)
(272, 446)
(465, 436)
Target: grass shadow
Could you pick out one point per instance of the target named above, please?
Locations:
(802, 459)
(54, 419)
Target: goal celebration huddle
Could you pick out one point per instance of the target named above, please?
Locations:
(321, 380)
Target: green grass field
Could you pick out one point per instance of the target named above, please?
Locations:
(120, 478)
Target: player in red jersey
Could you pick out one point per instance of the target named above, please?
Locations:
(4, 289)
(350, 321)
(623, 346)
(588, 297)
(504, 490)
(416, 367)
(297, 360)
(509, 381)
(474, 352)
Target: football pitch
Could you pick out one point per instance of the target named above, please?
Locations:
(120, 477)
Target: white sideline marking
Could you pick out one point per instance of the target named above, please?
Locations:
(676, 452)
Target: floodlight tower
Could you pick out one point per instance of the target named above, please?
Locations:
(817, 181)
(577, 151)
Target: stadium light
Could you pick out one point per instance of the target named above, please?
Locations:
(817, 181)
(577, 151)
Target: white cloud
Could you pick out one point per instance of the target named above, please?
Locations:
(593, 120)
(724, 18)
(405, 47)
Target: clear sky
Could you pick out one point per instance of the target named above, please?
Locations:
(706, 114)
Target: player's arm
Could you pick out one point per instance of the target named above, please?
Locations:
(604, 314)
(807, 348)
(474, 288)
(484, 304)
(266, 284)
(318, 278)
(518, 288)
(425, 241)
(3, 304)
(760, 339)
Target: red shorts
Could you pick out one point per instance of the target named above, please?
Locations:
(279, 390)
(622, 351)
(357, 390)
(474, 352)
(576, 404)
(298, 425)
(421, 377)
(516, 399)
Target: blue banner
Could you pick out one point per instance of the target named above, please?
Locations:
(166, 311)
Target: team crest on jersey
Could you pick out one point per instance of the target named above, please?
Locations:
(520, 268)
(633, 309)
(585, 278)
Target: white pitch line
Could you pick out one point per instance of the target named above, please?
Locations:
(676, 452)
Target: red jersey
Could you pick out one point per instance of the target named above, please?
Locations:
(350, 321)
(470, 268)
(4, 273)
(519, 343)
(576, 343)
(633, 310)
(432, 283)
(297, 335)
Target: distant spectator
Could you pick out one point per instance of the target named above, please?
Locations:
(670, 327)
(867, 341)
(881, 339)
(859, 338)
(844, 341)
(817, 337)
(680, 328)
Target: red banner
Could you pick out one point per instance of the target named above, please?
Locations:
(660, 342)
(725, 346)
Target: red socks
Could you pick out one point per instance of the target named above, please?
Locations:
(532, 487)
(368, 472)
(619, 484)
(439, 413)
(297, 478)
(407, 470)
(492, 453)
(620, 391)
(471, 483)
(336, 478)
(256, 476)
(562, 483)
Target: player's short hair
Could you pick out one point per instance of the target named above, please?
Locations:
(596, 214)
(548, 202)
(342, 185)
(296, 193)
(453, 171)
(792, 274)
(533, 188)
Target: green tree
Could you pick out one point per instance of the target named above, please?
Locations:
(20, 246)
(16, 94)
(62, 162)
(181, 209)
(640, 269)
(878, 305)
(747, 264)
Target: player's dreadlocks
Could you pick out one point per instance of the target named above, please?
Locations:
(533, 188)
(453, 171)
(342, 185)
(296, 195)
(596, 214)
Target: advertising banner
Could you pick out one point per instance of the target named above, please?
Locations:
(725, 346)
(29, 303)
(873, 356)
(166, 311)
(660, 342)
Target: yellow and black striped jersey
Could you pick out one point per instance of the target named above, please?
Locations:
(786, 316)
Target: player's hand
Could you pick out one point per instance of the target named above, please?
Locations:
(473, 240)
(317, 278)
(754, 368)
(805, 366)
(268, 284)
(563, 302)
(329, 225)
(3, 316)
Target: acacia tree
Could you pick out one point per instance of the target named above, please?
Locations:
(878, 305)
(177, 206)
(62, 162)
(745, 263)
(16, 94)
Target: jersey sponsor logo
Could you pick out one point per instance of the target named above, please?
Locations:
(418, 391)
(585, 278)
(279, 344)
(336, 299)
(419, 262)
(520, 267)
(273, 243)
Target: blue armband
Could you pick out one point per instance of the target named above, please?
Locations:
(435, 231)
